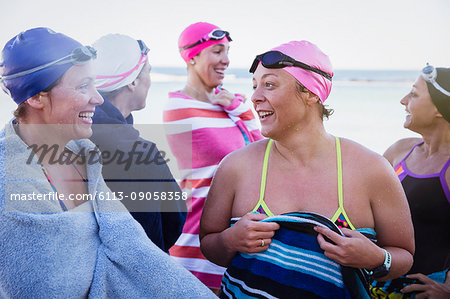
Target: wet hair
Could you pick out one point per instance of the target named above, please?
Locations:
(21, 110)
(326, 112)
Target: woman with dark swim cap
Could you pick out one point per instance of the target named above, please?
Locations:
(216, 121)
(325, 196)
(422, 165)
(62, 233)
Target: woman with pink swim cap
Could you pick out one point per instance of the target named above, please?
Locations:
(311, 210)
(216, 121)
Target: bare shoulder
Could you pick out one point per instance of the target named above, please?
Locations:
(395, 153)
(362, 160)
(369, 169)
(359, 151)
(237, 160)
(247, 153)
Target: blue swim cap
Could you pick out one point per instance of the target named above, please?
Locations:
(33, 60)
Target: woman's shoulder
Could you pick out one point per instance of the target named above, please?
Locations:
(367, 169)
(178, 94)
(249, 151)
(397, 151)
(399, 148)
(241, 164)
(350, 147)
(247, 155)
(361, 158)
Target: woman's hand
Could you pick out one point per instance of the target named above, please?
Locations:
(428, 288)
(223, 98)
(353, 250)
(249, 235)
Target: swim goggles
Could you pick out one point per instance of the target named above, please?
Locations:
(429, 74)
(78, 56)
(216, 34)
(278, 60)
(143, 59)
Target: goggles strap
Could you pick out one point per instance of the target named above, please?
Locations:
(438, 87)
(285, 61)
(38, 68)
(60, 61)
(208, 37)
(122, 76)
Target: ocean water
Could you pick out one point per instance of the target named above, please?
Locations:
(366, 102)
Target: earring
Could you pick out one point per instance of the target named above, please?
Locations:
(192, 62)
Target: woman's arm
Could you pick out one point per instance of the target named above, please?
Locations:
(234, 105)
(218, 241)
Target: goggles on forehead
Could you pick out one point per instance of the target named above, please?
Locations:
(429, 74)
(143, 47)
(278, 60)
(78, 56)
(143, 59)
(216, 34)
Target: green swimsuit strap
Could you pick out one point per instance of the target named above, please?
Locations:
(340, 210)
(340, 188)
(339, 172)
(263, 181)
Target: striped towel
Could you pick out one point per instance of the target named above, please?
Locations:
(294, 266)
(211, 132)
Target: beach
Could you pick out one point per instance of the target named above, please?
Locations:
(366, 102)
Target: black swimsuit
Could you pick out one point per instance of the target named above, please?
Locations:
(429, 200)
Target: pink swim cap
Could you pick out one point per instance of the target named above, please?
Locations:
(192, 34)
(311, 55)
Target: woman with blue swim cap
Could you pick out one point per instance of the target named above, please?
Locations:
(62, 233)
(49, 76)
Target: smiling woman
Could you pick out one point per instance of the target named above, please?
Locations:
(59, 238)
(216, 122)
(422, 165)
(56, 97)
(301, 220)
(71, 102)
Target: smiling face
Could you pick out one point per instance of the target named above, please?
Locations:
(72, 102)
(211, 63)
(421, 112)
(277, 101)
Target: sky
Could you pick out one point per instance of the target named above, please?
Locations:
(356, 34)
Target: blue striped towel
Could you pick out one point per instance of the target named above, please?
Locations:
(294, 266)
